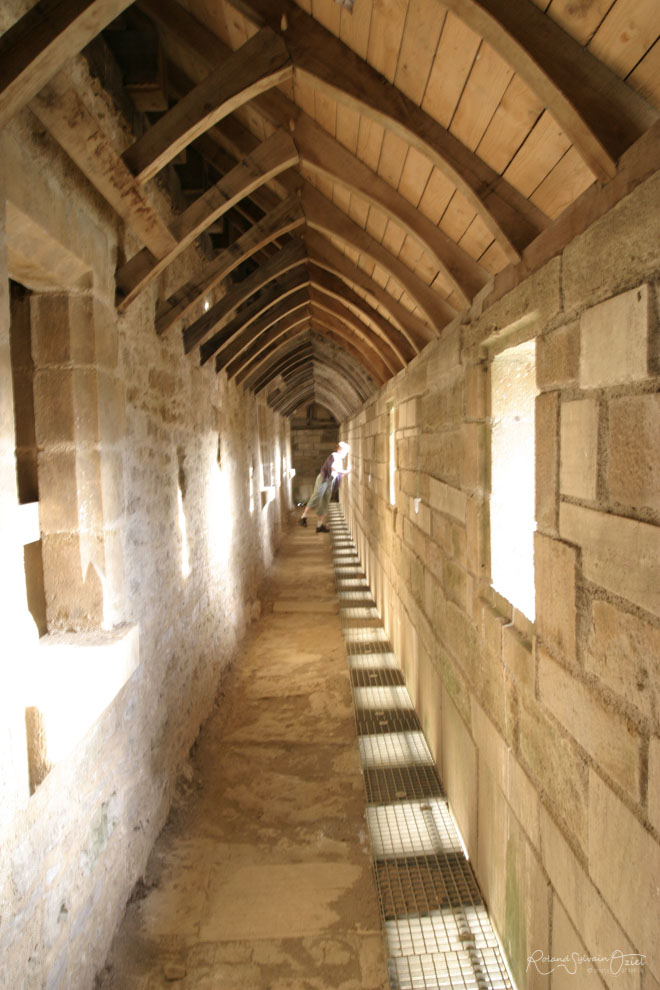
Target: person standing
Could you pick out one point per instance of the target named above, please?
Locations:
(327, 480)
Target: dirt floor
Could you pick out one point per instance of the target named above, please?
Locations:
(262, 878)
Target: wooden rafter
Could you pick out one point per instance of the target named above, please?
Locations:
(333, 68)
(241, 366)
(274, 155)
(36, 47)
(600, 114)
(260, 63)
(325, 156)
(291, 256)
(336, 314)
(285, 307)
(274, 293)
(286, 217)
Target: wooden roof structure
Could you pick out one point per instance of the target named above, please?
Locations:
(358, 171)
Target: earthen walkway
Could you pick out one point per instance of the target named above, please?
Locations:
(262, 879)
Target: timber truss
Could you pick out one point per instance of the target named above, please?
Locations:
(324, 271)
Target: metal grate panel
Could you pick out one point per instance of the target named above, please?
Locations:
(437, 927)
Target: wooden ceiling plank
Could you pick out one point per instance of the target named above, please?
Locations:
(292, 255)
(261, 63)
(285, 218)
(454, 57)
(628, 31)
(481, 96)
(62, 111)
(273, 156)
(323, 215)
(36, 47)
(418, 46)
(601, 114)
(333, 67)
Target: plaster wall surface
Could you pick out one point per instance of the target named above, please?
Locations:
(144, 461)
(546, 732)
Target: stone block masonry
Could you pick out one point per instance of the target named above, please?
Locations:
(147, 532)
(557, 719)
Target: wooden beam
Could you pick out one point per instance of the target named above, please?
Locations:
(274, 293)
(370, 358)
(256, 352)
(274, 155)
(333, 286)
(36, 47)
(260, 63)
(599, 112)
(325, 156)
(289, 257)
(286, 307)
(286, 217)
(323, 215)
(62, 111)
(327, 256)
(331, 67)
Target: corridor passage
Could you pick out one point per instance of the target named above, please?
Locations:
(262, 877)
(312, 768)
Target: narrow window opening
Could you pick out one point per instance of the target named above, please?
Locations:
(512, 522)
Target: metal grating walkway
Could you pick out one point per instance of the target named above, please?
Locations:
(436, 924)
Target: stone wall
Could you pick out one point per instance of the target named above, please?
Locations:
(153, 553)
(547, 733)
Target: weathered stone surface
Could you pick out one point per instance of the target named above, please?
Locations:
(614, 340)
(622, 555)
(654, 782)
(554, 564)
(459, 770)
(578, 472)
(590, 915)
(558, 356)
(554, 761)
(546, 427)
(606, 736)
(624, 652)
(630, 880)
(633, 475)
